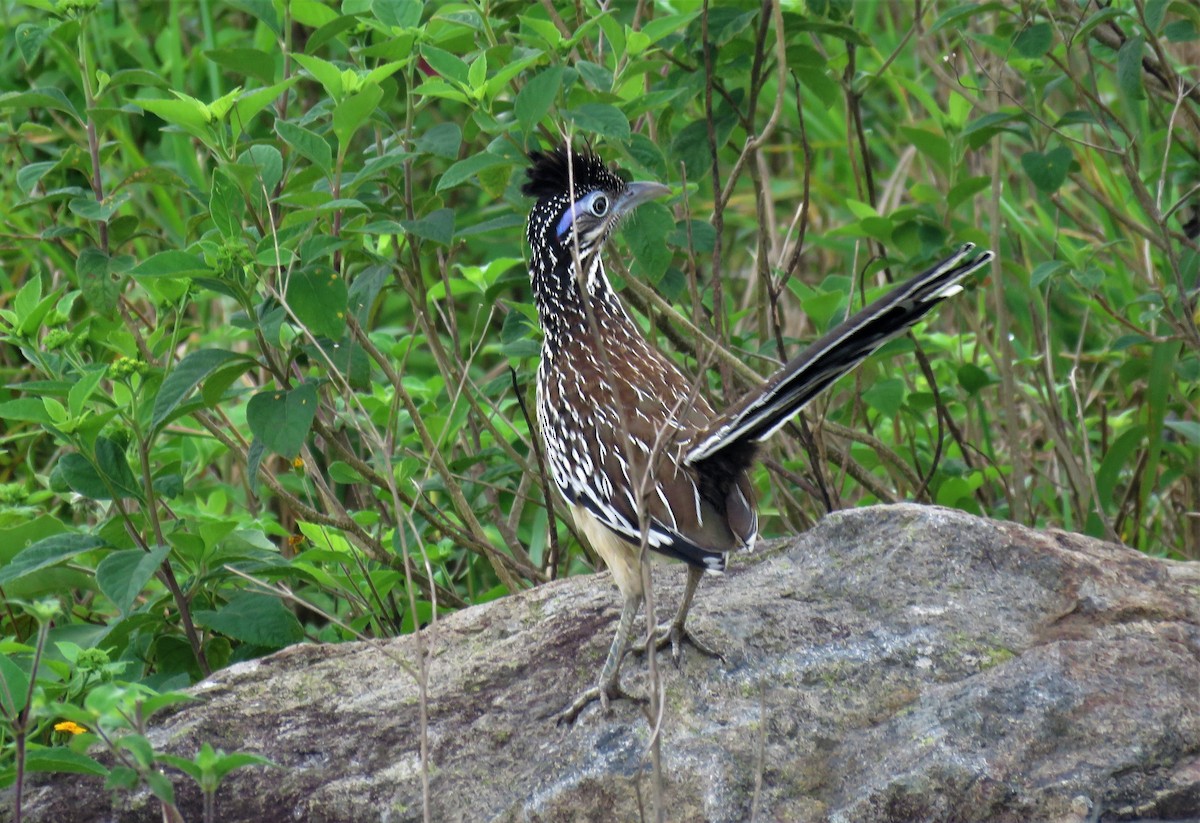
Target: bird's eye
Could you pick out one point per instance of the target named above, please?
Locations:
(600, 205)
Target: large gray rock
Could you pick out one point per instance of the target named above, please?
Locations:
(893, 664)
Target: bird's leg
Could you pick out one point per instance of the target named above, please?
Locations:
(609, 686)
(674, 633)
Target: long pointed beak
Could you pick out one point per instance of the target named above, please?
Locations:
(637, 193)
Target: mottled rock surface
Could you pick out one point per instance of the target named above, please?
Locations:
(895, 663)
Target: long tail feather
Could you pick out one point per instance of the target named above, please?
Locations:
(792, 387)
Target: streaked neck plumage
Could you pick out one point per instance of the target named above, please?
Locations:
(558, 291)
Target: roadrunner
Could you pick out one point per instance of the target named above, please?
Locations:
(638, 454)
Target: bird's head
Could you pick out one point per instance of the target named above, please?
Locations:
(580, 203)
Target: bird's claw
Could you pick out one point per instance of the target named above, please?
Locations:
(605, 694)
(674, 635)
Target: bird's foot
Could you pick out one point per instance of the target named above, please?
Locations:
(675, 635)
(605, 693)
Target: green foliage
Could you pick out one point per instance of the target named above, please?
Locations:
(269, 343)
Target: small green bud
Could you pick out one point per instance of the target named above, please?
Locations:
(75, 8)
(124, 367)
(44, 610)
(12, 494)
(56, 339)
(91, 659)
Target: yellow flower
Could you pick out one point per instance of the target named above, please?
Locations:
(69, 726)
(298, 464)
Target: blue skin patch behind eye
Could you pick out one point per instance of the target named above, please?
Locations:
(570, 214)
(567, 219)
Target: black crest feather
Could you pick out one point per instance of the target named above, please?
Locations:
(551, 172)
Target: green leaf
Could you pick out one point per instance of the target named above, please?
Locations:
(966, 190)
(352, 112)
(601, 119)
(446, 64)
(259, 619)
(14, 688)
(966, 11)
(982, 129)
(442, 140)
(437, 226)
(477, 74)
(954, 490)
(1047, 171)
(1116, 463)
(136, 77)
(188, 374)
(318, 297)
(48, 98)
(934, 146)
(188, 767)
(365, 289)
(1035, 40)
(463, 169)
(48, 552)
(1189, 430)
(99, 289)
(535, 99)
(63, 761)
(1163, 357)
(190, 115)
(1156, 12)
(404, 14)
(157, 702)
(226, 205)
(282, 419)
(498, 83)
(1181, 31)
(171, 264)
(80, 476)
(30, 409)
(253, 101)
(30, 307)
(660, 27)
(226, 763)
(250, 62)
(30, 37)
(219, 108)
(29, 176)
(122, 575)
(325, 73)
(1044, 271)
(646, 234)
(159, 784)
(1129, 68)
(114, 467)
(89, 208)
(108, 476)
(312, 13)
(690, 145)
(267, 163)
(437, 87)
(81, 392)
(974, 379)
(544, 29)
(344, 357)
(886, 396)
(308, 144)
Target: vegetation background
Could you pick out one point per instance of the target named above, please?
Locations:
(269, 343)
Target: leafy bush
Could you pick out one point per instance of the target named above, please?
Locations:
(269, 341)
